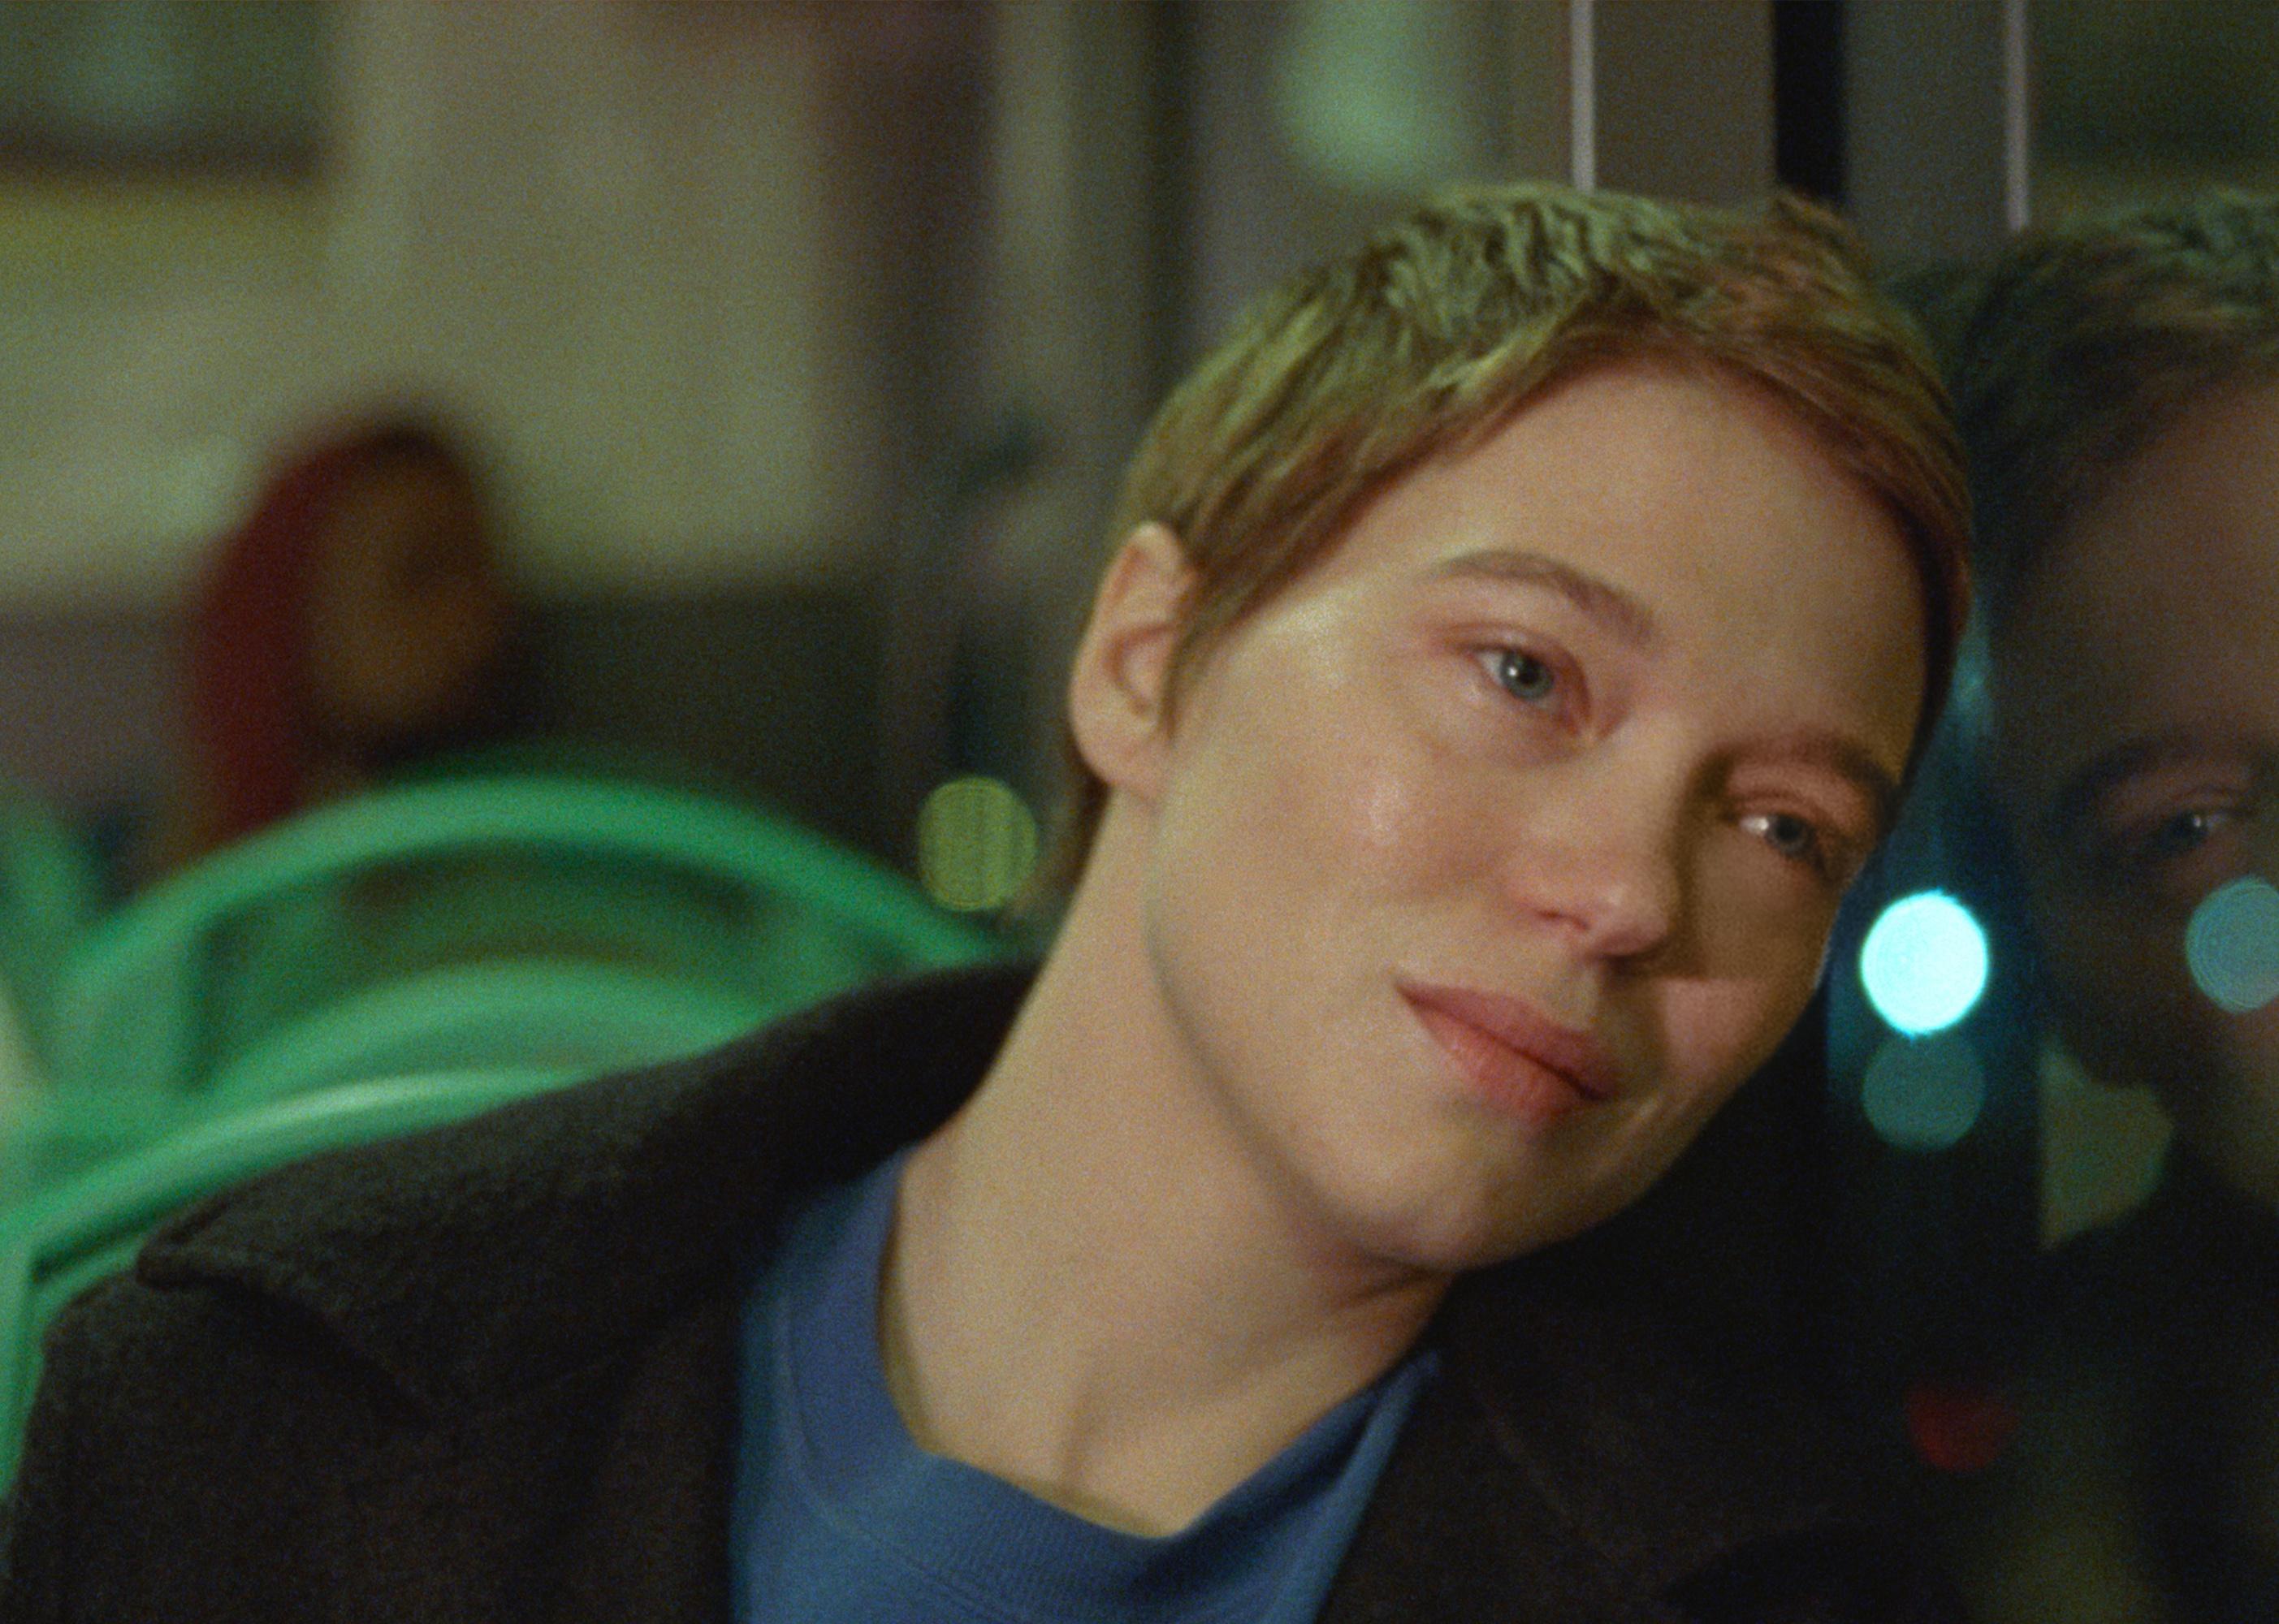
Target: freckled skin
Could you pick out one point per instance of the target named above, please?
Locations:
(2158, 613)
(1348, 798)
(1386, 811)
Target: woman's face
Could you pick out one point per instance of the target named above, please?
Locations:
(1489, 857)
(2137, 722)
(407, 613)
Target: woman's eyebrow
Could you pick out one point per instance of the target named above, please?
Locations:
(1846, 759)
(1602, 600)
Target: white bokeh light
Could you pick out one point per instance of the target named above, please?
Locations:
(1924, 963)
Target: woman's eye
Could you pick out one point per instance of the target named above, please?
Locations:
(1793, 837)
(1522, 675)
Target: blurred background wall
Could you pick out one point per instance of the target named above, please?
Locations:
(698, 281)
(803, 340)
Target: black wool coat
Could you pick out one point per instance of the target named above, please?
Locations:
(487, 1373)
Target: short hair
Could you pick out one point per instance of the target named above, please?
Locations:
(1430, 334)
(2072, 350)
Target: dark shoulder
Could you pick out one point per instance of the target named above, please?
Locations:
(460, 1262)
(2197, 1253)
(698, 1144)
(1827, 1578)
(1721, 1485)
(501, 1252)
(233, 1418)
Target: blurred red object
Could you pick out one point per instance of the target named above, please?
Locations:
(1959, 1427)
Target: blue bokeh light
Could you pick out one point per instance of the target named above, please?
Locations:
(1924, 1095)
(2232, 945)
(1924, 963)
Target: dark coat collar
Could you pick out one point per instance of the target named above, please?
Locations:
(609, 1207)
(1562, 1425)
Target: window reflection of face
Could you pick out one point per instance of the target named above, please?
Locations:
(2136, 698)
(1600, 718)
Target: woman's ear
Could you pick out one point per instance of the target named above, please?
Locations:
(1119, 700)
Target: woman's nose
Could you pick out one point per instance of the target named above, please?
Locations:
(1607, 874)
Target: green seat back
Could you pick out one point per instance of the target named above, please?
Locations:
(569, 1014)
(181, 980)
(78, 1231)
(47, 1135)
(48, 898)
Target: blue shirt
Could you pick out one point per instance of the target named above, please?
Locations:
(840, 1518)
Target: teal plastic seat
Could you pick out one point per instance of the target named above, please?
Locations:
(50, 896)
(46, 1136)
(564, 1015)
(322, 910)
(88, 1227)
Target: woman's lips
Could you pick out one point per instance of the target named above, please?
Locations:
(1519, 1061)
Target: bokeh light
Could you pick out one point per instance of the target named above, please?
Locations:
(2232, 945)
(1959, 1427)
(977, 844)
(1924, 1095)
(1923, 964)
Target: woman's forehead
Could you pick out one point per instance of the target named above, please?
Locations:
(1682, 516)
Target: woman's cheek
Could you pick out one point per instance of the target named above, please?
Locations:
(1387, 806)
(1740, 1023)
(1756, 923)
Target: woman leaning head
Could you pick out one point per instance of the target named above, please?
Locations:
(1520, 630)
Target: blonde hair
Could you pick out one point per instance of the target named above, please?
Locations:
(1430, 334)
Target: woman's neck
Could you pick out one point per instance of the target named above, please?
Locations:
(1092, 1290)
